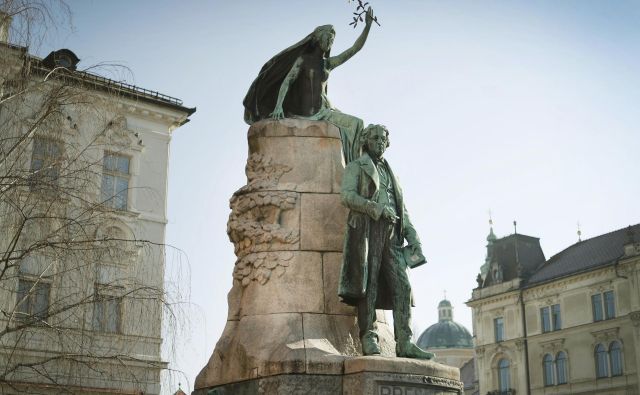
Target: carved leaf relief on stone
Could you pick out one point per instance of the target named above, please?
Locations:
(262, 173)
(261, 266)
(255, 225)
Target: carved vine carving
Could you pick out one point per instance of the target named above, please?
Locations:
(262, 173)
(255, 226)
(261, 266)
(254, 223)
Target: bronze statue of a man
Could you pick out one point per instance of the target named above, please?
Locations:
(374, 268)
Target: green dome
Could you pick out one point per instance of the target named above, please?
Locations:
(445, 334)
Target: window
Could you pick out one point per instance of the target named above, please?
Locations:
(107, 312)
(547, 364)
(609, 305)
(554, 371)
(596, 305)
(45, 161)
(498, 326)
(561, 368)
(33, 298)
(602, 363)
(550, 318)
(606, 310)
(555, 317)
(609, 360)
(503, 375)
(115, 181)
(615, 354)
(545, 319)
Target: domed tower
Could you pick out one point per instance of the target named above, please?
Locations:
(450, 341)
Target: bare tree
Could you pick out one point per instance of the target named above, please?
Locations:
(81, 274)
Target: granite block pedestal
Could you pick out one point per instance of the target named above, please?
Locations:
(286, 331)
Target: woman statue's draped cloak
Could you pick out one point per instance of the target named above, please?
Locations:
(262, 97)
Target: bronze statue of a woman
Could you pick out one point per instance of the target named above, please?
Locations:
(294, 84)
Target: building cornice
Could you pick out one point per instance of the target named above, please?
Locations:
(511, 294)
(561, 284)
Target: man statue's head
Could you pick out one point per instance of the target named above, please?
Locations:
(375, 140)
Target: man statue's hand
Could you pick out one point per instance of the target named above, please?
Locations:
(278, 113)
(416, 249)
(389, 214)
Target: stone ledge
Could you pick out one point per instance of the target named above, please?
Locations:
(293, 154)
(290, 127)
(400, 365)
(357, 383)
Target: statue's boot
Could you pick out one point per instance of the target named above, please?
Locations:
(370, 344)
(406, 349)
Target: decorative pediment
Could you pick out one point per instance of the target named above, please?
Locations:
(118, 123)
(601, 287)
(118, 134)
(552, 346)
(116, 244)
(606, 335)
(501, 352)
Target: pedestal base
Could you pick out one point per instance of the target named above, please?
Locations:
(361, 375)
(399, 376)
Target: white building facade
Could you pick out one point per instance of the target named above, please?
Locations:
(83, 208)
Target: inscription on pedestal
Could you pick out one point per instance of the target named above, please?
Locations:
(425, 386)
(404, 389)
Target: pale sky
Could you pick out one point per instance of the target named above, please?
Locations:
(527, 109)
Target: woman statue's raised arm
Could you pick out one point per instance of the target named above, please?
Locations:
(336, 61)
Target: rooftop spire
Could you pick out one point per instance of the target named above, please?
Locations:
(519, 267)
(579, 233)
(492, 237)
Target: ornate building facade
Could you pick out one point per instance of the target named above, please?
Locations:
(84, 163)
(569, 324)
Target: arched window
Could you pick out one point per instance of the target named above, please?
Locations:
(547, 363)
(503, 375)
(615, 353)
(116, 244)
(602, 361)
(561, 368)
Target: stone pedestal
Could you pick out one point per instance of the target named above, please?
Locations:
(286, 330)
(361, 375)
(398, 376)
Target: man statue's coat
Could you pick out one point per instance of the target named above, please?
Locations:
(360, 188)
